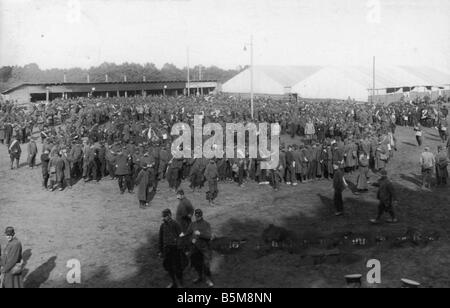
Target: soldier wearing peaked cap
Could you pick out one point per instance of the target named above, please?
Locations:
(10, 275)
(144, 185)
(174, 260)
(185, 211)
(32, 153)
(200, 234)
(123, 171)
(339, 185)
(212, 177)
(388, 199)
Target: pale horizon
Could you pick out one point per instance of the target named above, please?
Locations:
(55, 34)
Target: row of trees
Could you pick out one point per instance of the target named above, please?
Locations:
(13, 75)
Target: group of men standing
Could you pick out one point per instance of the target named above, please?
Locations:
(183, 241)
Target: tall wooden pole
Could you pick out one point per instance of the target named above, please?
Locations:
(373, 85)
(251, 77)
(188, 74)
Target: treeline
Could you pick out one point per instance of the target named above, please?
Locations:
(11, 76)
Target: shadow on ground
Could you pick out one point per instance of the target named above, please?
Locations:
(39, 276)
(254, 264)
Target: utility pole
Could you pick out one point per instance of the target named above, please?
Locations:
(373, 86)
(200, 78)
(188, 78)
(251, 77)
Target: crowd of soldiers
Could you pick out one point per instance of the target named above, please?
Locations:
(129, 139)
(183, 241)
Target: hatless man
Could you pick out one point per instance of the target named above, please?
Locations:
(427, 162)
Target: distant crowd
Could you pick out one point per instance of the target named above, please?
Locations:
(122, 137)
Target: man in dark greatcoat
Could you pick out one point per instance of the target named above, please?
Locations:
(185, 210)
(11, 272)
(388, 199)
(174, 260)
(200, 233)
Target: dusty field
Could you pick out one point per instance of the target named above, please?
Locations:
(115, 240)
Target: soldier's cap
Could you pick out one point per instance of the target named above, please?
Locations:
(383, 172)
(355, 278)
(10, 231)
(166, 213)
(198, 212)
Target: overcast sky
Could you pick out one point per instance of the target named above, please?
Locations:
(84, 33)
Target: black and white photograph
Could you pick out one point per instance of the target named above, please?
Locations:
(224, 148)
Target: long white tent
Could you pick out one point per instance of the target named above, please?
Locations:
(334, 82)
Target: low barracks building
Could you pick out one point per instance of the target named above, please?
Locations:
(34, 92)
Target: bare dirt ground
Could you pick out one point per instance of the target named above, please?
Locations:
(115, 241)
